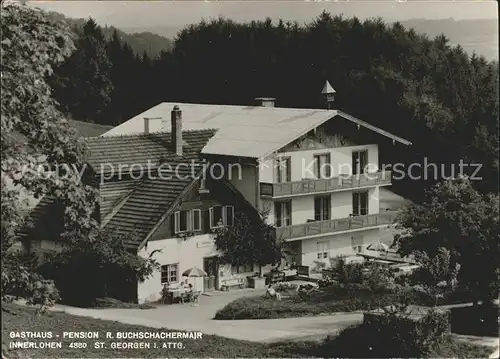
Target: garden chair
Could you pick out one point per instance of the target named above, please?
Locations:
(185, 297)
(196, 296)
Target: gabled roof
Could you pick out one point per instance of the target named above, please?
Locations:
(246, 131)
(134, 206)
(145, 206)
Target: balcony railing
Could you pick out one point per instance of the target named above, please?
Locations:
(309, 186)
(335, 225)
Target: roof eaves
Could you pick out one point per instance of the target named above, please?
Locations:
(373, 128)
(302, 133)
(349, 118)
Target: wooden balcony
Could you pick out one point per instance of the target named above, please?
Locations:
(317, 228)
(311, 186)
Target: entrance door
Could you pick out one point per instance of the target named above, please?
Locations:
(211, 266)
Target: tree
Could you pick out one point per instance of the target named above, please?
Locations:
(34, 133)
(250, 241)
(435, 273)
(88, 270)
(456, 218)
(425, 90)
(82, 85)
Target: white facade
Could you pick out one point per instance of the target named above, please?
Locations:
(341, 205)
(302, 162)
(346, 243)
(185, 254)
(341, 244)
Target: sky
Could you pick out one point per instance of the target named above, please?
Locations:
(127, 14)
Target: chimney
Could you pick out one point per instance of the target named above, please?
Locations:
(176, 128)
(266, 101)
(146, 124)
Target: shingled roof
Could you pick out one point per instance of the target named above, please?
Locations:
(107, 153)
(134, 206)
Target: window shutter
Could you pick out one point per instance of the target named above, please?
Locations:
(177, 222)
(211, 217)
(355, 204)
(196, 222)
(278, 214)
(288, 169)
(317, 208)
(228, 215)
(206, 221)
(328, 167)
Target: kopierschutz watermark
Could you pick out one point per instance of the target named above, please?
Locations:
(193, 169)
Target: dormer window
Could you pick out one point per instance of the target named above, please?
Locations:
(221, 216)
(186, 221)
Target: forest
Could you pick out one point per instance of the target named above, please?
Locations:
(441, 98)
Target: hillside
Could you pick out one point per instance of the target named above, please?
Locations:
(140, 42)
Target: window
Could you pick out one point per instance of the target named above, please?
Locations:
(169, 273)
(357, 244)
(196, 213)
(322, 166)
(221, 216)
(185, 221)
(322, 207)
(283, 213)
(359, 162)
(360, 203)
(182, 221)
(244, 268)
(228, 215)
(216, 216)
(322, 250)
(283, 169)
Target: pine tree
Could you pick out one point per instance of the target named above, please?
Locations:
(83, 84)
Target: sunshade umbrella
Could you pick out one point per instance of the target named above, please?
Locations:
(379, 247)
(194, 272)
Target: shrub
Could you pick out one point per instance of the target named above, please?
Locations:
(347, 273)
(115, 303)
(366, 345)
(326, 282)
(475, 320)
(390, 335)
(284, 286)
(378, 276)
(97, 267)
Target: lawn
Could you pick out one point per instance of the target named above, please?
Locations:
(20, 319)
(330, 299)
(322, 301)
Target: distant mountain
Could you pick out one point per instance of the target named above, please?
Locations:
(479, 35)
(140, 42)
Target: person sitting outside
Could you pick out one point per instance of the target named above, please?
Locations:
(271, 293)
(183, 284)
(165, 293)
